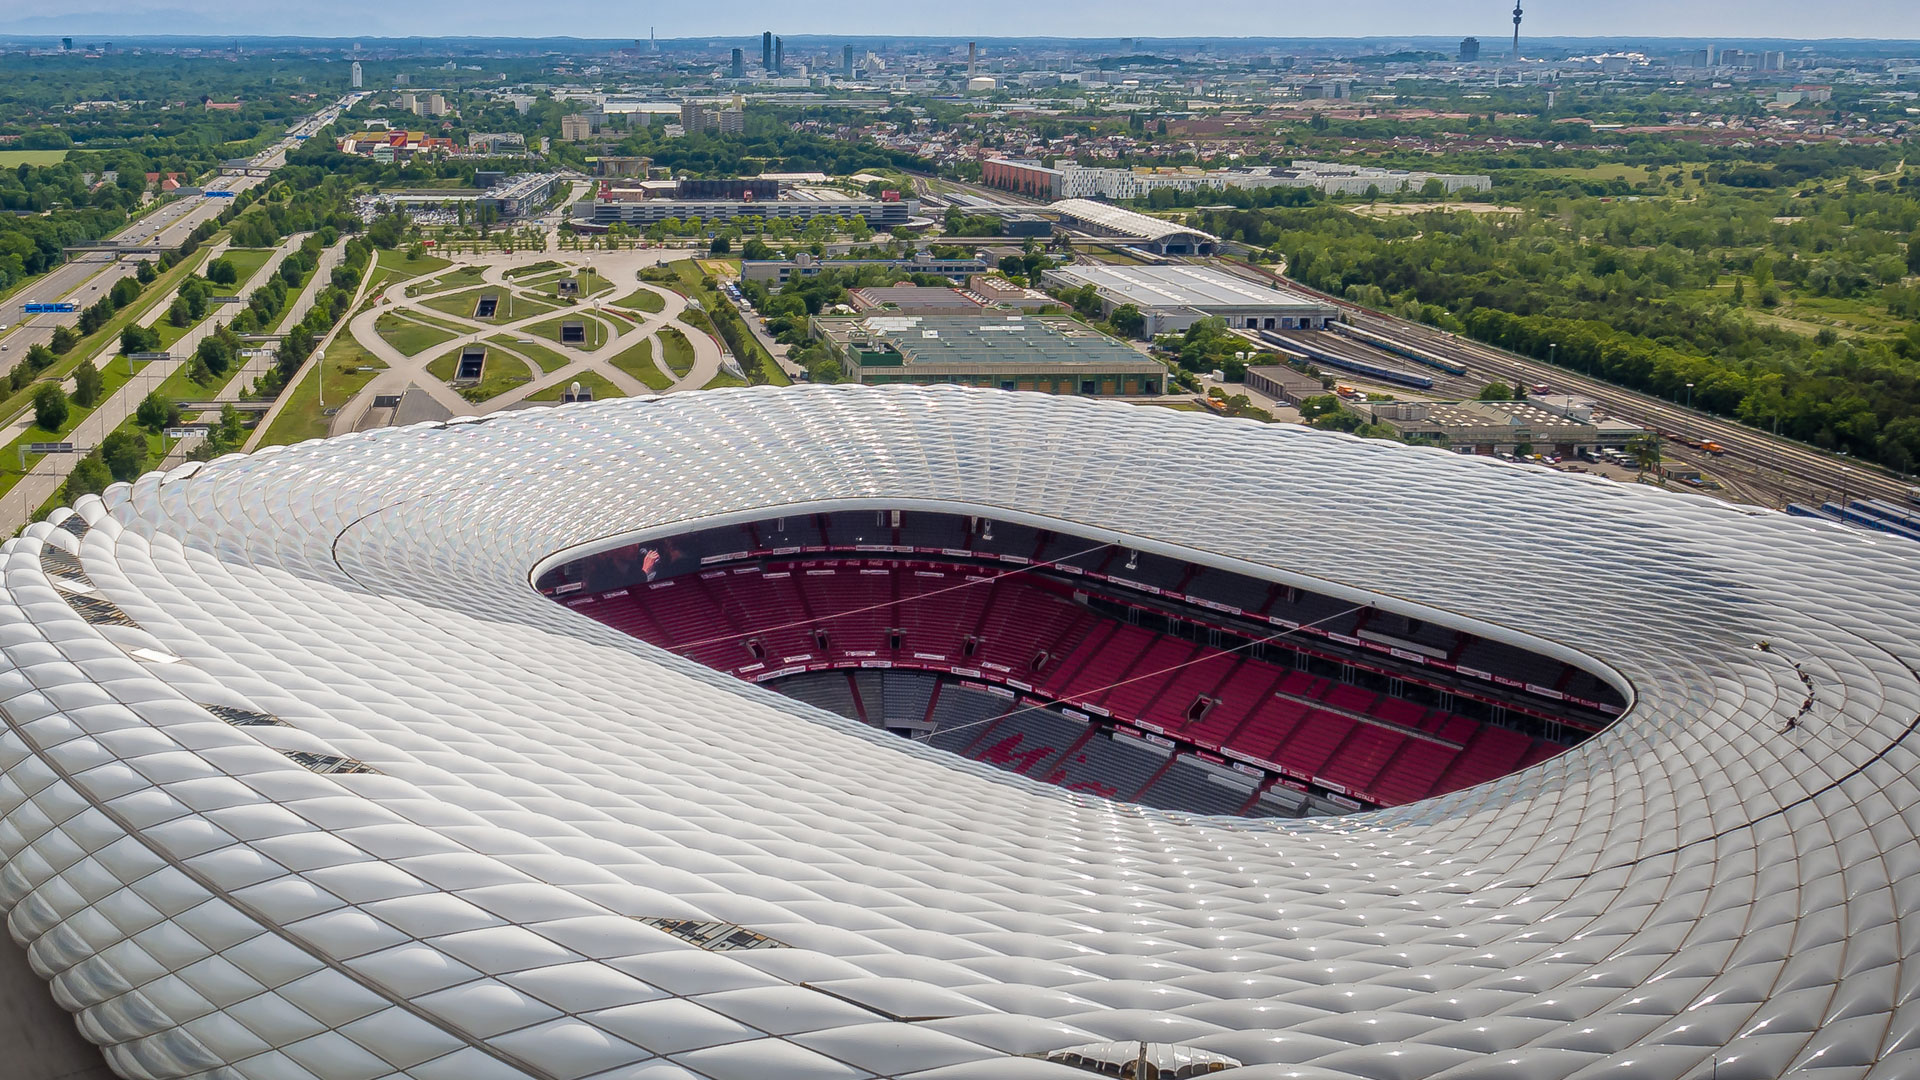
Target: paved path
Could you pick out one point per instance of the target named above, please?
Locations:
(630, 328)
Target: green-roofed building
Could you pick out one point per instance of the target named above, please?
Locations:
(1050, 354)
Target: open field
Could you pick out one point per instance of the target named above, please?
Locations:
(602, 389)
(408, 336)
(642, 300)
(638, 362)
(676, 351)
(498, 375)
(539, 354)
(13, 159)
(346, 367)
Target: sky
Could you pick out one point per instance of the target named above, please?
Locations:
(1710, 19)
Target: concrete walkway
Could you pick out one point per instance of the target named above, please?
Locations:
(629, 328)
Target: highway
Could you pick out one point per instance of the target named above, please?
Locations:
(87, 277)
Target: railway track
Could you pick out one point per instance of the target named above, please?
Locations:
(1766, 461)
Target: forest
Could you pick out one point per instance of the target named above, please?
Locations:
(1791, 310)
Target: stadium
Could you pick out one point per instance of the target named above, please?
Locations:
(848, 732)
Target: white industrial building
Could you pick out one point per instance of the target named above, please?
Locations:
(1175, 297)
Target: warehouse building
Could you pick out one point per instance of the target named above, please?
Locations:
(1283, 383)
(649, 204)
(1173, 298)
(1133, 229)
(1052, 355)
(1489, 427)
(805, 265)
(914, 300)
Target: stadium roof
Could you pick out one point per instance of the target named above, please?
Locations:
(1126, 222)
(303, 779)
(1201, 287)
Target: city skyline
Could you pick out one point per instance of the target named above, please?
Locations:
(1860, 19)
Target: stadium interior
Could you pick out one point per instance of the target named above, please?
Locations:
(1102, 668)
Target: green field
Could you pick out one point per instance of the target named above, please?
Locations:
(642, 300)
(540, 267)
(461, 304)
(399, 268)
(601, 388)
(408, 336)
(303, 416)
(539, 354)
(638, 362)
(597, 331)
(724, 379)
(13, 159)
(498, 375)
(676, 350)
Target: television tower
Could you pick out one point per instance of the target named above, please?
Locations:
(1516, 30)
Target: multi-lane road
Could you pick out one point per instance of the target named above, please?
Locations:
(87, 277)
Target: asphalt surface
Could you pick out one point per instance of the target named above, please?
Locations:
(86, 278)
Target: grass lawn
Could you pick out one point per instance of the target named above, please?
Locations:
(178, 387)
(642, 300)
(724, 379)
(676, 350)
(539, 354)
(551, 331)
(462, 303)
(248, 262)
(399, 267)
(498, 375)
(408, 336)
(303, 417)
(540, 267)
(13, 159)
(602, 389)
(638, 362)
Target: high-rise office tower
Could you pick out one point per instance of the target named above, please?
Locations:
(357, 74)
(779, 55)
(739, 63)
(846, 61)
(766, 50)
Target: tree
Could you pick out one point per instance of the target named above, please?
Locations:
(50, 407)
(89, 477)
(180, 313)
(1913, 253)
(720, 246)
(64, 339)
(125, 454)
(138, 339)
(1496, 391)
(1128, 319)
(215, 353)
(1645, 450)
(87, 384)
(155, 412)
(222, 272)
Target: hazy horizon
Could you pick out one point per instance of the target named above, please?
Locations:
(1855, 19)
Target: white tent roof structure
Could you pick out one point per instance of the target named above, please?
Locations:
(301, 779)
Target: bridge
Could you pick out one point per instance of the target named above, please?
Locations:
(117, 249)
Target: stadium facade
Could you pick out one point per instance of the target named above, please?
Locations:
(302, 777)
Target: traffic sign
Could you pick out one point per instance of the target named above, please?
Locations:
(187, 432)
(223, 299)
(50, 448)
(62, 307)
(149, 356)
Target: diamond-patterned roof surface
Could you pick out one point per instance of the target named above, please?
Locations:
(543, 799)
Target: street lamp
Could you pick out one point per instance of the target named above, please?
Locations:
(1553, 350)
